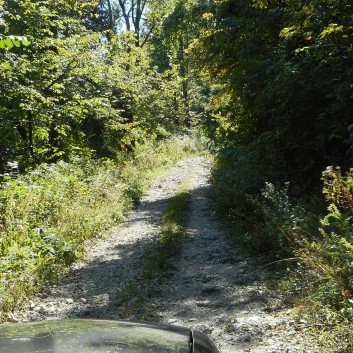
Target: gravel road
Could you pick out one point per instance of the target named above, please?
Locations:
(214, 287)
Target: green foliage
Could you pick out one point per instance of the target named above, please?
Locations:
(270, 82)
(336, 339)
(263, 218)
(46, 215)
(330, 257)
(267, 221)
(13, 41)
(74, 89)
(279, 227)
(280, 76)
(169, 53)
(52, 87)
(235, 164)
(282, 68)
(142, 161)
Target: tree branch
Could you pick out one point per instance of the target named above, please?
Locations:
(147, 35)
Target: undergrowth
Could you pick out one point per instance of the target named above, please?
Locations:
(315, 248)
(47, 214)
(173, 232)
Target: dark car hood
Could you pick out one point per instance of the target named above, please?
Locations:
(100, 336)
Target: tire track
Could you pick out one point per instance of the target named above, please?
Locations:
(214, 288)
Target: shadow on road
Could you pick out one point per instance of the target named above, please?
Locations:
(111, 286)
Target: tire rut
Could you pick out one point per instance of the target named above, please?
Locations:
(214, 287)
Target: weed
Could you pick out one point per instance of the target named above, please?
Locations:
(269, 220)
(173, 233)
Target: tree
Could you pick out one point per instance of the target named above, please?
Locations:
(168, 49)
(51, 88)
(138, 16)
(283, 70)
(73, 91)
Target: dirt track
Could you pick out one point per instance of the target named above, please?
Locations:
(214, 288)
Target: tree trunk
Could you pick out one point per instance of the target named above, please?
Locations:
(110, 14)
(30, 137)
(184, 74)
(125, 14)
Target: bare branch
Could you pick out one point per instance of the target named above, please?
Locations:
(147, 37)
(122, 4)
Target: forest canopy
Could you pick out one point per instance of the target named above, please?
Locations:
(268, 75)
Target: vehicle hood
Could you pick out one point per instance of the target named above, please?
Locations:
(100, 336)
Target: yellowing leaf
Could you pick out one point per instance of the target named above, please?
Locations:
(332, 28)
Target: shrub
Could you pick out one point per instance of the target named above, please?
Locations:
(330, 257)
(280, 225)
(266, 220)
(46, 216)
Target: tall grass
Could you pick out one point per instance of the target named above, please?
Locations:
(47, 214)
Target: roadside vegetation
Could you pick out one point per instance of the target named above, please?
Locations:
(308, 251)
(47, 214)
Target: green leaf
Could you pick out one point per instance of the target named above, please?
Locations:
(2, 44)
(7, 66)
(25, 41)
(8, 43)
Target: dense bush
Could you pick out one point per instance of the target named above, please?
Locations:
(280, 69)
(280, 110)
(262, 211)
